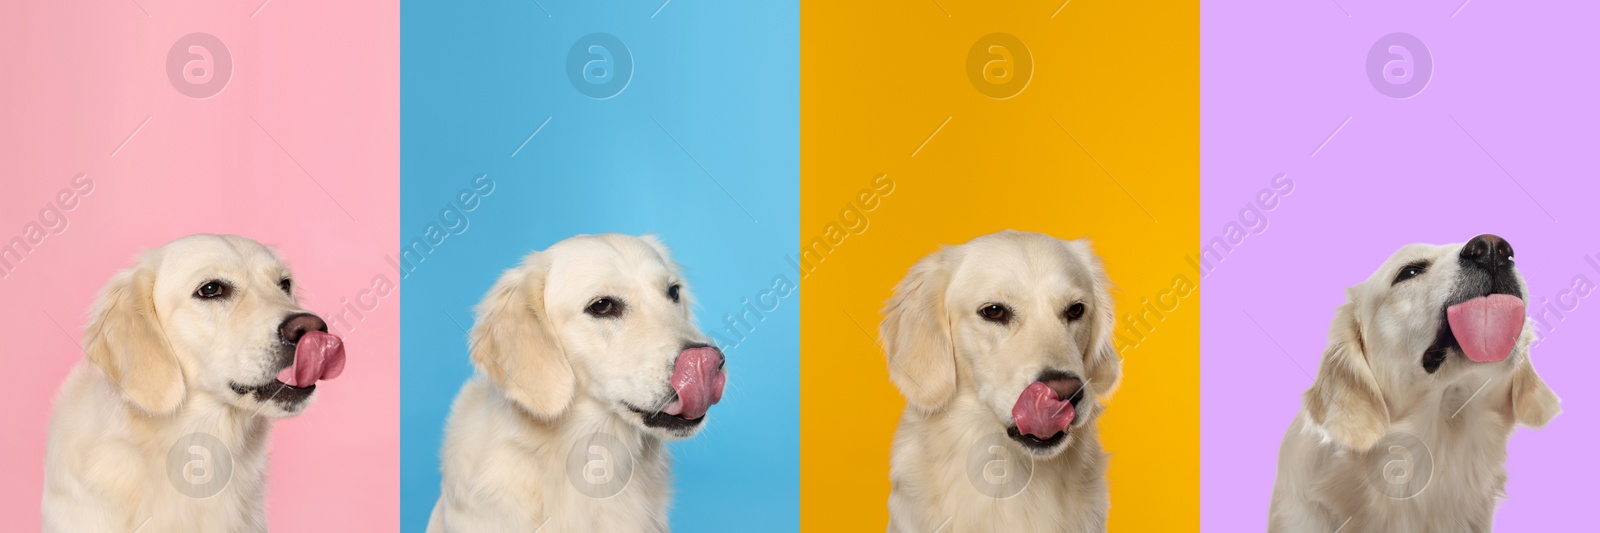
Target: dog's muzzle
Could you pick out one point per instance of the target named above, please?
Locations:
(1486, 315)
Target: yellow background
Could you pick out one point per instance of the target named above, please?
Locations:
(877, 78)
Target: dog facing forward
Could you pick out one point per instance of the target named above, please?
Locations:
(588, 360)
(189, 355)
(1425, 375)
(1002, 349)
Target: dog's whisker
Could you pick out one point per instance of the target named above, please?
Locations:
(664, 403)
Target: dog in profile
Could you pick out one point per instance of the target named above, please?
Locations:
(1425, 375)
(1002, 349)
(189, 356)
(588, 360)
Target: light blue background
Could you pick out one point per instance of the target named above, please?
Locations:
(723, 78)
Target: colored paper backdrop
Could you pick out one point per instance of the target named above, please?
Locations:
(674, 118)
(277, 121)
(1396, 123)
(1092, 133)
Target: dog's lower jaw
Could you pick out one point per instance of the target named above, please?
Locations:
(663, 425)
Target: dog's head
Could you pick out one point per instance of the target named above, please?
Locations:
(1432, 317)
(208, 315)
(1022, 321)
(605, 316)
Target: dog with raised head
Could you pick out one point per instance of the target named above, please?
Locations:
(588, 360)
(189, 356)
(1425, 375)
(1002, 348)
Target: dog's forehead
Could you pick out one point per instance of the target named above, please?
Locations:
(606, 262)
(215, 255)
(1017, 263)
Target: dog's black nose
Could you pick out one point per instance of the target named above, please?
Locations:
(296, 326)
(1488, 252)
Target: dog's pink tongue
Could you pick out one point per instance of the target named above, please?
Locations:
(318, 356)
(698, 377)
(1041, 412)
(1487, 328)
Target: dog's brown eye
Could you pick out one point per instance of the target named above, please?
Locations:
(604, 307)
(1074, 311)
(1410, 271)
(672, 292)
(286, 285)
(995, 313)
(212, 290)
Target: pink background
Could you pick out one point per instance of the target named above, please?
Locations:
(300, 151)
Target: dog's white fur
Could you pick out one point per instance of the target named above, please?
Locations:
(550, 376)
(1371, 388)
(158, 367)
(961, 375)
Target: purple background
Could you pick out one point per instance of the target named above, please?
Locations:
(1277, 79)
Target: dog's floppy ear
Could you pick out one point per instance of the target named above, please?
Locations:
(1103, 363)
(1531, 400)
(512, 342)
(1344, 400)
(916, 336)
(1105, 368)
(125, 341)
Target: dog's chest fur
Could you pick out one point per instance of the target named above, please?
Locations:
(112, 472)
(932, 490)
(1466, 452)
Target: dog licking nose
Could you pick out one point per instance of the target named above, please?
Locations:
(1045, 407)
(1487, 327)
(318, 355)
(698, 378)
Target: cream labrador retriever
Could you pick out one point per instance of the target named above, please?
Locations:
(189, 355)
(1425, 375)
(1002, 349)
(588, 359)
